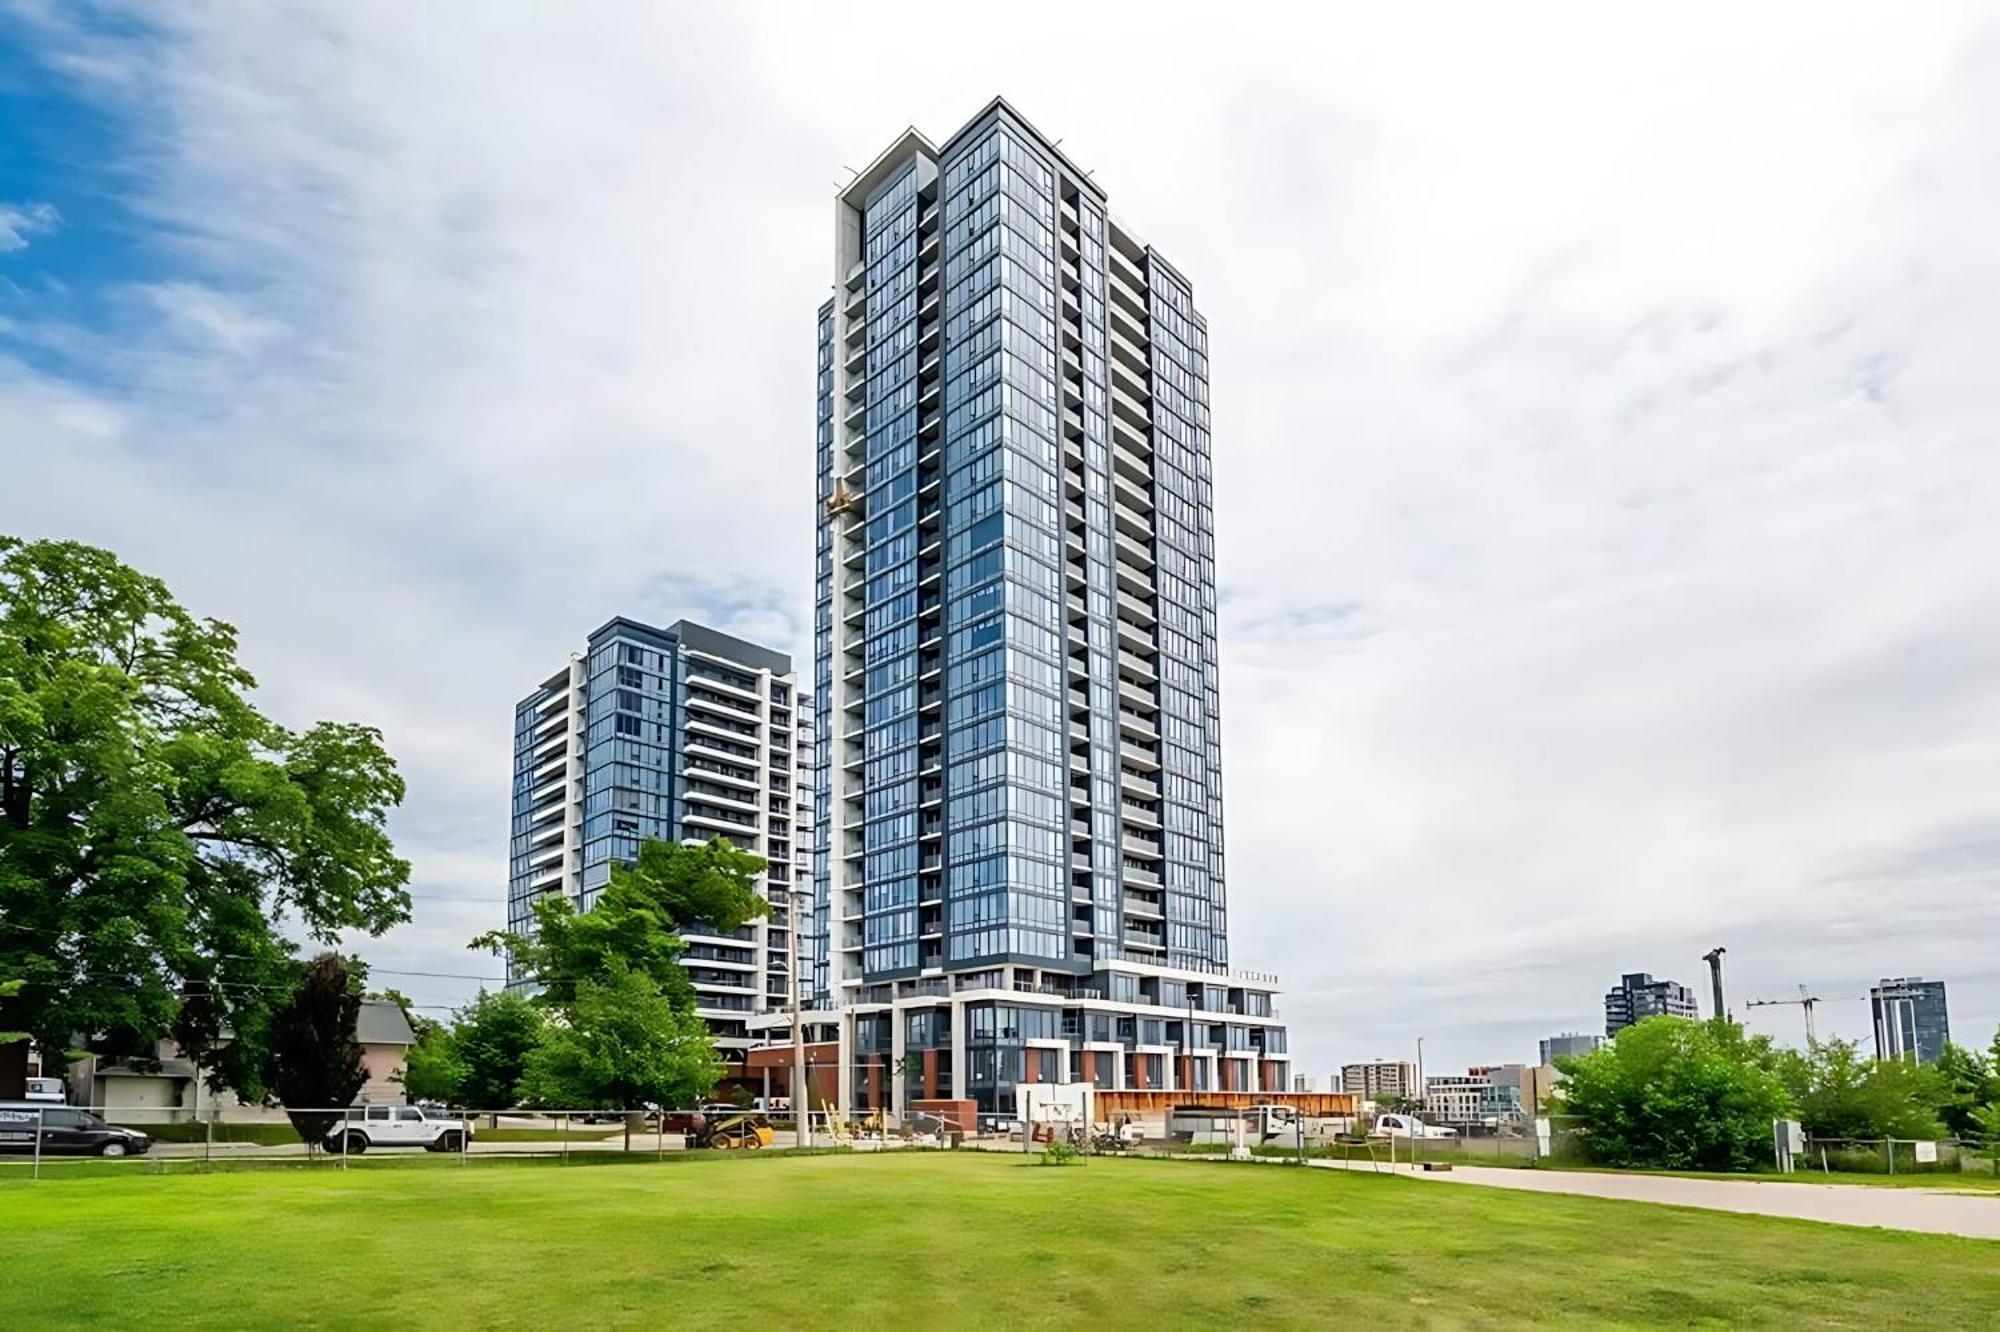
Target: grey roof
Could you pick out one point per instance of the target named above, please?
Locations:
(178, 1069)
(701, 638)
(381, 1022)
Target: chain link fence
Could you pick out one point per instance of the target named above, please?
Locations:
(1900, 1156)
(58, 1140)
(55, 1139)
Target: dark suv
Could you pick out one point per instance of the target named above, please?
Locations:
(66, 1131)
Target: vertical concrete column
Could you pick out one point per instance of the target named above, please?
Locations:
(844, 1051)
(897, 1046)
(958, 1069)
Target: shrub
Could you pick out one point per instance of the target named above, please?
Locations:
(1670, 1093)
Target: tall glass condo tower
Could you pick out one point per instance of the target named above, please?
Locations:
(1015, 637)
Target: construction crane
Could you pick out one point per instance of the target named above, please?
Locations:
(1807, 1000)
(1714, 959)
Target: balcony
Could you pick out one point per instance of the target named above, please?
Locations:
(1139, 785)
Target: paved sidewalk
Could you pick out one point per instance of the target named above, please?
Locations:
(1936, 1211)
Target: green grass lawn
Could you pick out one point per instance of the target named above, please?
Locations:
(940, 1239)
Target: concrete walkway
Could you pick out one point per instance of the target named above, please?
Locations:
(1974, 1215)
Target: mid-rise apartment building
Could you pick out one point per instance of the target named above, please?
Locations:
(676, 733)
(1637, 996)
(1910, 1019)
(1487, 1097)
(1381, 1080)
(1019, 875)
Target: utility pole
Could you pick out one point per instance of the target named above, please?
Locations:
(801, 1102)
(1714, 959)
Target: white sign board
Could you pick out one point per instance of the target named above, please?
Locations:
(1542, 1136)
(1926, 1153)
(1053, 1102)
(1795, 1137)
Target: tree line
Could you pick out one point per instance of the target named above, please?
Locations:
(163, 842)
(1670, 1093)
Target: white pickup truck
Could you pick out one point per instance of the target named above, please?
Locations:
(1409, 1126)
(397, 1126)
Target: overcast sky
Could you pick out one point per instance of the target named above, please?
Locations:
(1607, 434)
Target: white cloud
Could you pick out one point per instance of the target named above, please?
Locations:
(1603, 436)
(20, 221)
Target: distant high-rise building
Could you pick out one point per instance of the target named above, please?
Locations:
(1019, 873)
(1910, 1020)
(1381, 1080)
(1569, 1043)
(1637, 996)
(676, 733)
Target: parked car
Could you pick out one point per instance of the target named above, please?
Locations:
(1408, 1126)
(398, 1126)
(65, 1131)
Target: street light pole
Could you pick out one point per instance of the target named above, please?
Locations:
(1423, 1103)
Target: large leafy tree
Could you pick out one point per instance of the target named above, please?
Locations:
(1967, 1082)
(315, 1062)
(495, 1035)
(1842, 1093)
(477, 1062)
(623, 1029)
(1676, 1094)
(620, 1044)
(154, 824)
(638, 918)
(432, 1069)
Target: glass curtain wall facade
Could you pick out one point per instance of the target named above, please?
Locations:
(1911, 1021)
(670, 733)
(1015, 648)
(1018, 859)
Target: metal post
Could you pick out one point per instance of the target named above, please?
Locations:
(1027, 1121)
(565, 1137)
(465, 1137)
(208, 1141)
(1890, 1145)
(343, 1137)
(40, 1128)
(1423, 1103)
(801, 1100)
